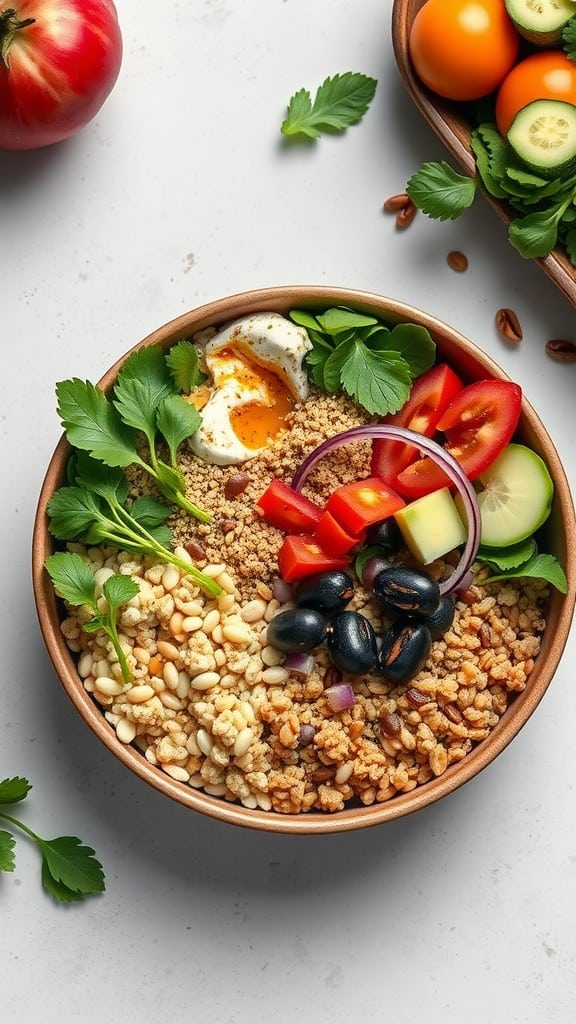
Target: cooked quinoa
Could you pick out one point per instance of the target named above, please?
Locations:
(211, 702)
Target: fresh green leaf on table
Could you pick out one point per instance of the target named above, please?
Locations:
(70, 870)
(340, 102)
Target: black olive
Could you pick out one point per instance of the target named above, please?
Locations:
(296, 629)
(441, 620)
(385, 535)
(407, 590)
(404, 650)
(351, 642)
(326, 592)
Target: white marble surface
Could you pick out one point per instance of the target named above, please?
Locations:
(180, 191)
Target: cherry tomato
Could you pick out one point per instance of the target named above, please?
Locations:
(359, 504)
(332, 537)
(431, 394)
(548, 75)
(287, 509)
(462, 49)
(59, 60)
(477, 425)
(301, 556)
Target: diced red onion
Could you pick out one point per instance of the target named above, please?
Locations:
(299, 664)
(282, 590)
(340, 696)
(427, 446)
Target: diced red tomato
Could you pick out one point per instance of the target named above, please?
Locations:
(301, 556)
(288, 510)
(359, 504)
(332, 537)
(430, 396)
(477, 424)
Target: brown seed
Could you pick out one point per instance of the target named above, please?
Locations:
(236, 484)
(391, 724)
(457, 261)
(415, 697)
(406, 215)
(453, 714)
(396, 203)
(508, 325)
(195, 550)
(332, 676)
(485, 635)
(560, 350)
(227, 525)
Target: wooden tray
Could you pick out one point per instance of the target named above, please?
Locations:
(454, 131)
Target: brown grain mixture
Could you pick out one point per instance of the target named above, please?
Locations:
(212, 704)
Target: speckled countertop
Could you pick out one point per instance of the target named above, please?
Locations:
(181, 190)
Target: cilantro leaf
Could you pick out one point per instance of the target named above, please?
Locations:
(68, 863)
(510, 557)
(177, 419)
(149, 512)
(340, 101)
(338, 319)
(118, 590)
(416, 345)
(182, 361)
(12, 791)
(72, 578)
(535, 235)
(144, 381)
(7, 844)
(93, 425)
(440, 192)
(543, 567)
(377, 380)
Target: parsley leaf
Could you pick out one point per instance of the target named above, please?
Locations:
(7, 844)
(510, 557)
(70, 870)
(539, 566)
(74, 581)
(361, 355)
(440, 192)
(340, 101)
(182, 361)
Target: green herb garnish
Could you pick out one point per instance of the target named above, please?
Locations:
(371, 362)
(70, 871)
(522, 560)
(340, 101)
(94, 508)
(74, 581)
(145, 404)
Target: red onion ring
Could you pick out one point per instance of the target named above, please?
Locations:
(426, 446)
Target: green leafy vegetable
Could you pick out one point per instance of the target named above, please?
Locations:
(440, 192)
(543, 211)
(74, 581)
(145, 403)
(70, 870)
(569, 38)
(358, 354)
(522, 560)
(95, 509)
(182, 360)
(340, 101)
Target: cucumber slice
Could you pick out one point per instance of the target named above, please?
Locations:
(540, 21)
(516, 497)
(543, 135)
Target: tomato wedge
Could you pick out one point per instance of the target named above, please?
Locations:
(332, 537)
(301, 556)
(430, 396)
(478, 424)
(287, 509)
(359, 504)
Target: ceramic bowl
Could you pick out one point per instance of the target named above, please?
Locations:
(468, 361)
(448, 120)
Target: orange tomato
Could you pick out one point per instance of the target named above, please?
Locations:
(547, 75)
(463, 49)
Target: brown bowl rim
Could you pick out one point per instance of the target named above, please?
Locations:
(451, 127)
(463, 353)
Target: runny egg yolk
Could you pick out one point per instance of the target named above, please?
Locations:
(268, 404)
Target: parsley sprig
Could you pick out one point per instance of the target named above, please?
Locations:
(339, 102)
(70, 871)
(145, 405)
(522, 560)
(371, 362)
(94, 507)
(74, 581)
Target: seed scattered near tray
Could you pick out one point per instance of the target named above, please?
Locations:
(457, 261)
(561, 350)
(404, 208)
(509, 325)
